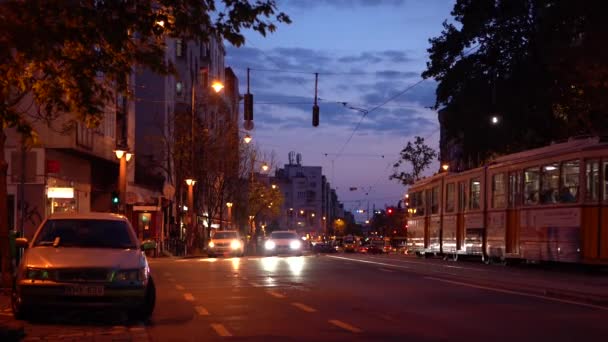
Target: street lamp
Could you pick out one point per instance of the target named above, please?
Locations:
(217, 86)
(190, 182)
(229, 205)
(445, 167)
(265, 167)
(247, 138)
(123, 156)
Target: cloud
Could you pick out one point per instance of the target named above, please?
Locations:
(375, 57)
(397, 74)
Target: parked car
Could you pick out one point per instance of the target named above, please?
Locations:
(226, 242)
(283, 242)
(84, 260)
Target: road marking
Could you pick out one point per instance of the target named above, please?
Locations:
(179, 287)
(303, 307)
(345, 326)
(254, 284)
(276, 294)
(221, 330)
(518, 293)
(201, 310)
(189, 296)
(368, 262)
(386, 270)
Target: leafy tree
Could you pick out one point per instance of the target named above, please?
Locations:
(419, 155)
(69, 59)
(540, 66)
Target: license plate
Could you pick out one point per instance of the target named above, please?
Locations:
(84, 290)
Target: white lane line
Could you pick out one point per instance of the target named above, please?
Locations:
(276, 294)
(221, 330)
(189, 297)
(368, 262)
(345, 326)
(386, 270)
(201, 310)
(303, 307)
(179, 287)
(519, 293)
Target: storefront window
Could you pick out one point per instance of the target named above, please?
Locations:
(592, 180)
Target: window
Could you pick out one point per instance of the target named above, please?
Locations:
(179, 48)
(514, 189)
(475, 193)
(313, 184)
(179, 88)
(498, 191)
(549, 185)
(605, 181)
(568, 191)
(420, 203)
(435, 200)
(462, 196)
(450, 198)
(592, 180)
(531, 185)
(301, 194)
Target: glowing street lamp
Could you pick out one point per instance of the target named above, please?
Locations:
(123, 156)
(190, 182)
(265, 167)
(445, 167)
(217, 86)
(247, 138)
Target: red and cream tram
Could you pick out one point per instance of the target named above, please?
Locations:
(545, 204)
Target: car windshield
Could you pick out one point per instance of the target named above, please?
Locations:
(283, 235)
(85, 233)
(225, 235)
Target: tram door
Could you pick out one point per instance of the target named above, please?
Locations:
(514, 196)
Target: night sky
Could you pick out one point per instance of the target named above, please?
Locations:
(366, 52)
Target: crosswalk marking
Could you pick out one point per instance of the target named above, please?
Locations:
(221, 330)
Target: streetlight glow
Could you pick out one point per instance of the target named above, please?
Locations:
(494, 120)
(217, 86)
(265, 167)
(119, 153)
(445, 167)
(129, 156)
(190, 181)
(229, 204)
(247, 138)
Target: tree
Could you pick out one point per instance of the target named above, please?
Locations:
(541, 67)
(419, 156)
(69, 59)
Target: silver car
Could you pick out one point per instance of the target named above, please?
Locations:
(84, 260)
(283, 242)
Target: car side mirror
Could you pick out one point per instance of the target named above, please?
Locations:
(21, 243)
(148, 245)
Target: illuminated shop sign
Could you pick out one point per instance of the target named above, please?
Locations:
(60, 192)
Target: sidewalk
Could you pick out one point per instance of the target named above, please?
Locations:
(10, 328)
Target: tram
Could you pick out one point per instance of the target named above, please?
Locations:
(544, 204)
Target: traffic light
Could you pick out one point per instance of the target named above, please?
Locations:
(315, 115)
(248, 110)
(115, 198)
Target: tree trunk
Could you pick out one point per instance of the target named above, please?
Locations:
(5, 256)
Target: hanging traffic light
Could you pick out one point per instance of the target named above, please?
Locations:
(315, 115)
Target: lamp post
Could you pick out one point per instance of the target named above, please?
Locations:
(229, 205)
(123, 156)
(191, 212)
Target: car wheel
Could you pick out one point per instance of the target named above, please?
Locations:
(20, 311)
(144, 312)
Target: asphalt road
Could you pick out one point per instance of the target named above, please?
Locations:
(350, 297)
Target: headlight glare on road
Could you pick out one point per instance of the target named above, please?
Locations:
(295, 244)
(235, 244)
(269, 244)
(211, 244)
(37, 274)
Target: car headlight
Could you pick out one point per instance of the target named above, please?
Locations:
(130, 275)
(295, 244)
(270, 244)
(235, 244)
(37, 274)
(211, 244)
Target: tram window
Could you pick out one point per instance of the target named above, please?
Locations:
(531, 186)
(605, 181)
(420, 203)
(462, 196)
(498, 191)
(592, 180)
(435, 200)
(475, 193)
(568, 192)
(549, 185)
(450, 199)
(514, 189)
